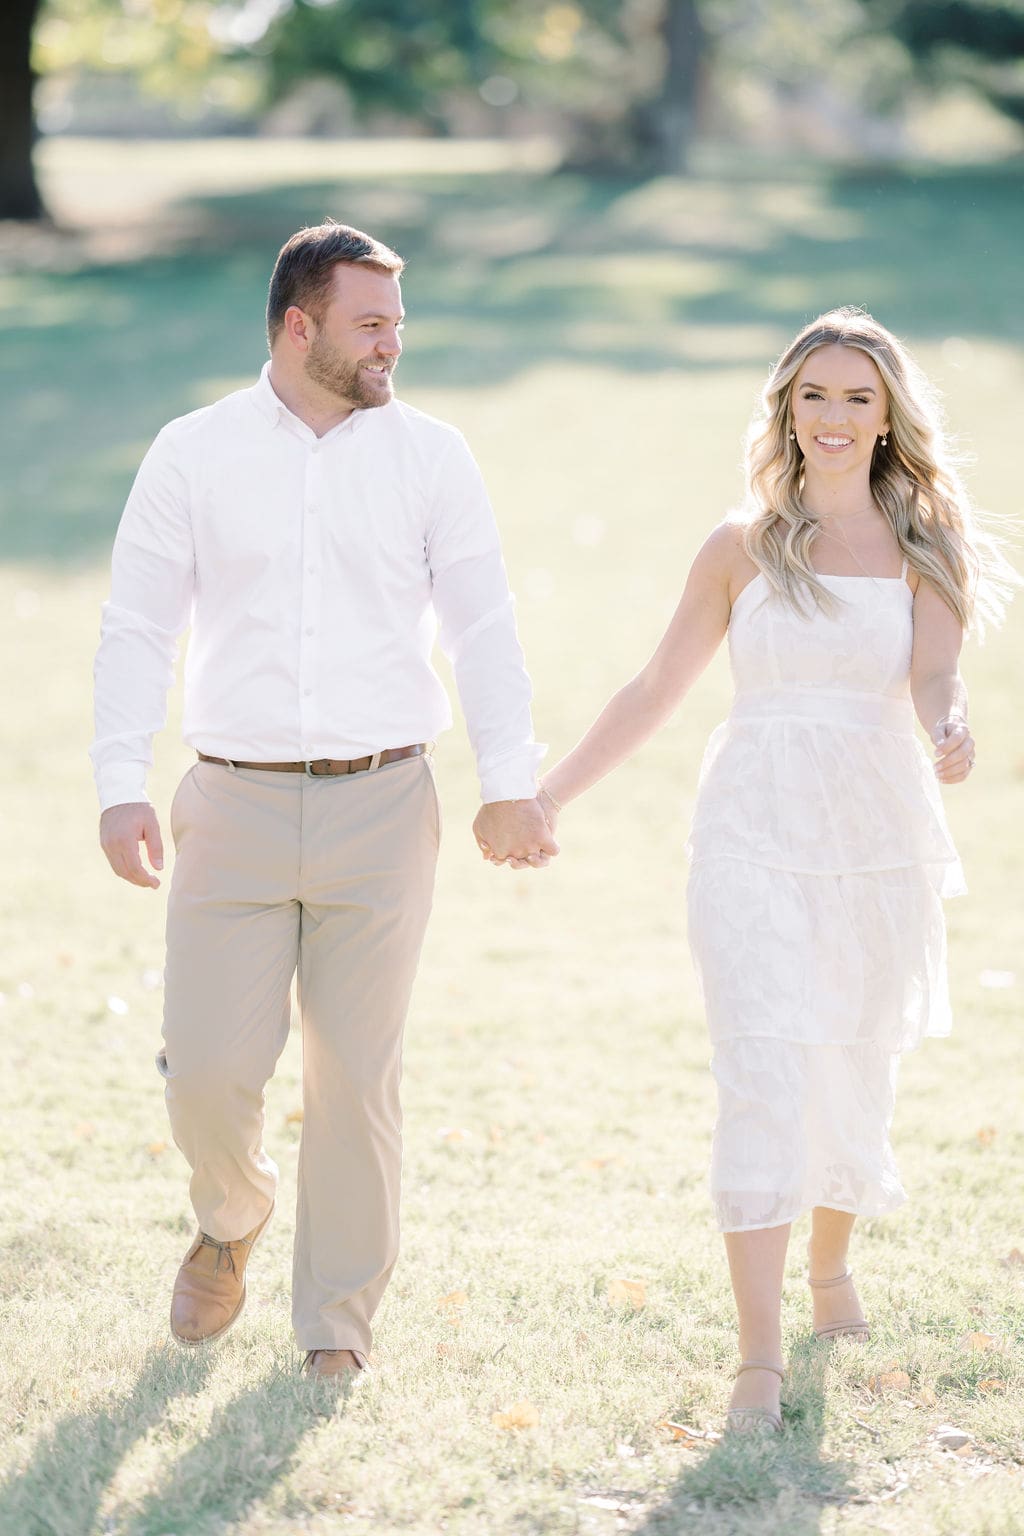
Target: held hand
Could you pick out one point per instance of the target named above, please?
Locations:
(954, 750)
(516, 833)
(122, 829)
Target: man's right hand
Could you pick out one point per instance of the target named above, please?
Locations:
(122, 829)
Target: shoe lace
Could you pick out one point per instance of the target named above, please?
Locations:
(225, 1250)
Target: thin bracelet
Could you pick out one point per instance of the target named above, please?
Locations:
(543, 789)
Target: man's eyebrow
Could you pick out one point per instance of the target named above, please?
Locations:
(865, 389)
(372, 314)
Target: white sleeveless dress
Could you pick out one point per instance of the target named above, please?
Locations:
(819, 856)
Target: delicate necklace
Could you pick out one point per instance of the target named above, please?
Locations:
(841, 538)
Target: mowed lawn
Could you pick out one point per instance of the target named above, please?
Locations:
(562, 1299)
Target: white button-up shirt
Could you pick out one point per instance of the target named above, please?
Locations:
(314, 572)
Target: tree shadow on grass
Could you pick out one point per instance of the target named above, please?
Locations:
(505, 274)
(762, 1482)
(248, 1446)
(60, 1491)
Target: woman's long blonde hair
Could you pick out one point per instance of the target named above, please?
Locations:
(914, 483)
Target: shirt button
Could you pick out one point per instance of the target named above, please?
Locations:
(310, 630)
(307, 692)
(311, 570)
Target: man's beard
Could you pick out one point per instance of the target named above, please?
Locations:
(343, 378)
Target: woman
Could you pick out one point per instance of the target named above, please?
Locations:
(819, 844)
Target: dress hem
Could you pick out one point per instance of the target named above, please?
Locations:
(827, 1205)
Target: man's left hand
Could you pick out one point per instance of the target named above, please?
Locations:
(516, 833)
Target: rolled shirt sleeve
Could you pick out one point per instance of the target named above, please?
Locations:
(476, 613)
(153, 579)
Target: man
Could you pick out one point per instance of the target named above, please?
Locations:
(309, 528)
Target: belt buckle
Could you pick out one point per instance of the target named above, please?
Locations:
(372, 767)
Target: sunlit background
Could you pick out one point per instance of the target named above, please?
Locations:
(614, 216)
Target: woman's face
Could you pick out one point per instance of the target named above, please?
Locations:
(840, 409)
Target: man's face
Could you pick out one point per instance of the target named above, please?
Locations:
(356, 343)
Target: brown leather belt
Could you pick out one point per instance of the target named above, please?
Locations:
(325, 767)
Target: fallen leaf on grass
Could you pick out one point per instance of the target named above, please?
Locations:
(1014, 1259)
(452, 1305)
(951, 1438)
(293, 1117)
(495, 1135)
(981, 1342)
(453, 1135)
(992, 1384)
(985, 1136)
(522, 1415)
(85, 1130)
(156, 1147)
(628, 1293)
(595, 1164)
(889, 1381)
(681, 1432)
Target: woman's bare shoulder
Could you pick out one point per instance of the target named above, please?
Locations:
(724, 554)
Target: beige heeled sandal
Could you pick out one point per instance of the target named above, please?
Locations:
(848, 1328)
(746, 1421)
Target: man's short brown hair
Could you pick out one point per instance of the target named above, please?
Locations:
(305, 265)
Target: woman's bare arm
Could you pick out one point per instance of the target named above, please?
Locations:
(938, 691)
(647, 701)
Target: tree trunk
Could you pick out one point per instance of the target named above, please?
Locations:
(19, 195)
(670, 119)
(653, 133)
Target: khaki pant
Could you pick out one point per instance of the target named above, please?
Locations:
(333, 876)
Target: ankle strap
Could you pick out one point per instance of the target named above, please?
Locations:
(824, 1285)
(760, 1365)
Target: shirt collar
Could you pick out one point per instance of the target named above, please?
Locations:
(273, 409)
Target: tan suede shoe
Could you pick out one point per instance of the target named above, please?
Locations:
(334, 1364)
(209, 1292)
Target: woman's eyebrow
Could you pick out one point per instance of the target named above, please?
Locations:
(864, 390)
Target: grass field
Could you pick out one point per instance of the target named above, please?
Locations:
(601, 346)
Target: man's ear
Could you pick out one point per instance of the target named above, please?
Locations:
(299, 327)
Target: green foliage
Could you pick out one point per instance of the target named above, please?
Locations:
(398, 54)
(979, 42)
(168, 44)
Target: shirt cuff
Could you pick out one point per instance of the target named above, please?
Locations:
(122, 784)
(513, 779)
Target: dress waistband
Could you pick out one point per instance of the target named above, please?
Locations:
(828, 706)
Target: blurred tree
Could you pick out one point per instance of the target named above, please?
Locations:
(978, 42)
(400, 55)
(644, 116)
(19, 194)
(626, 72)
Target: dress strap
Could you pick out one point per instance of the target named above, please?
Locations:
(904, 569)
